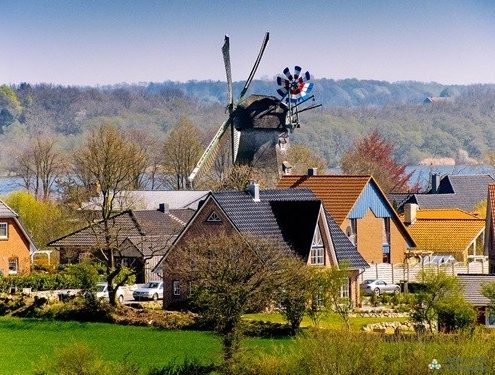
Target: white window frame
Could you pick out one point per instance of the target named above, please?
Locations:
(344, 290)
(176, 287)
(15, 261)
(317, 251)
(4, 237)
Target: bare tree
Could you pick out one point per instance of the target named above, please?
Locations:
(302, 157)
(228, 274)
(114, 163)
(40, 165)
(181, 152)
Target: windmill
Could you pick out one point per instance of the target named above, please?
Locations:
(258, 124)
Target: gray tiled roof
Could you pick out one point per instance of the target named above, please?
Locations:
(457, 191)
(128, 224)
(6, 211)
(472, 285)
(345, 251)
(277, 216)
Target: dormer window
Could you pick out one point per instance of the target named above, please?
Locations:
(317, 252)
(214, 218)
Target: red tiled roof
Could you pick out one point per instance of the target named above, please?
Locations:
(338, 193)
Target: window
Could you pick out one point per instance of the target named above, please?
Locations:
(4, 230)
(317, 252)
(214, 218)
(386, 230)
(176, 287)
(13, 265)
(490, 317)
(344, 290)
(352, 231)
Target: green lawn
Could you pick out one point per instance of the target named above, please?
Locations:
(26, 341)
(332, 321)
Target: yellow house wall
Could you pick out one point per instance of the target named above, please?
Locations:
(16, 245)
(370, 239)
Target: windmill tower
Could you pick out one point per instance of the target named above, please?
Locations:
(259, 125)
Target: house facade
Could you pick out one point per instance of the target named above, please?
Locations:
(293, 219)
(362, 211)
(16, 246)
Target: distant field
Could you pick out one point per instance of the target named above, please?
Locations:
(26, 341)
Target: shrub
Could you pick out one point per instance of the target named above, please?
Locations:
(257, 328)
(188, 367)
(455, 315)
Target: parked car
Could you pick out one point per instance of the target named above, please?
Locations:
(152, 290)
(378, 287)
(102, 292)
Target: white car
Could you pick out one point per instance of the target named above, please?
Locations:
(152, 290)
(102, 292)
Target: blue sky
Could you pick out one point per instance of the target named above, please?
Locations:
(101, 42)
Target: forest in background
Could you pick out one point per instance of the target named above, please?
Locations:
(463, 124)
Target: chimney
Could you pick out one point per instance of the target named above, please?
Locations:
(163, 207)
(312, 171)
(410, 213)
(435, 182)
(254, 190)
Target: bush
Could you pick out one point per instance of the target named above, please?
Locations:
(188, 367)
(257, 328)
(455, 315)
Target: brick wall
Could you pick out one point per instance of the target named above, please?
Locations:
(198, 228)
(370, 239)
(15, 246)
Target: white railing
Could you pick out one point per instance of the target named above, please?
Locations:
(395, 273)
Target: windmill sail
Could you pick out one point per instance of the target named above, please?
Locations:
(211, 151)
(215, 144)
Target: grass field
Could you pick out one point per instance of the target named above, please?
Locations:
(26, 341)
(329, 321)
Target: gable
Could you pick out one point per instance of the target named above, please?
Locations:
(371, 198)
(338, 193)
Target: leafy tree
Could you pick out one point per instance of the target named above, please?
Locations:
(455, 314)
(294, 293)
(318, 285)
(438, 289)
(113, 162)
(43, 220)
(337, 280)
(373, 155)
(182, 151)
(228, 274)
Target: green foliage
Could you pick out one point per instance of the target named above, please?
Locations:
(43, 220)
(455, 314)
(348, 353)
(439, 289)
(294, 293)
(188, 367)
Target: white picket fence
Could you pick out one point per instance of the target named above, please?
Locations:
(396, 273)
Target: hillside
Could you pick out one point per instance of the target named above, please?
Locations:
(466, 121)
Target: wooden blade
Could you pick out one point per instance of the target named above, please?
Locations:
(255, 66)
(211, 150)
(228, 71)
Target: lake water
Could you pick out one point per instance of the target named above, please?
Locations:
(421, 174)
